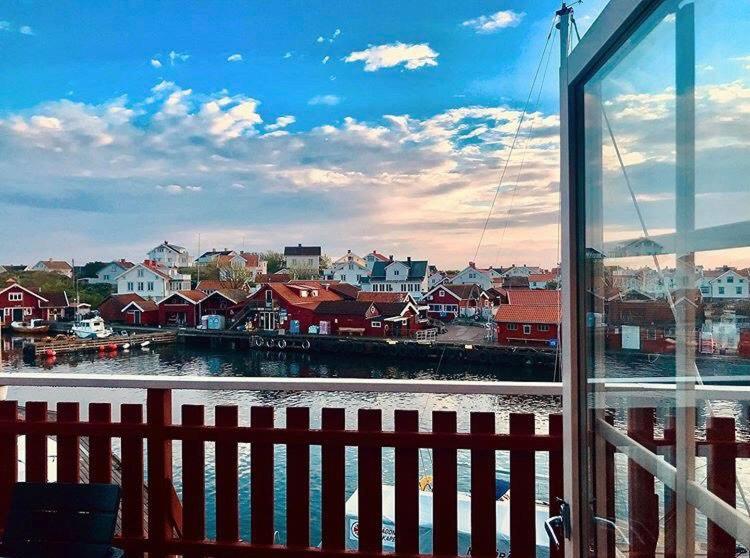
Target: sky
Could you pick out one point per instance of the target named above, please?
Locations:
(351, 125)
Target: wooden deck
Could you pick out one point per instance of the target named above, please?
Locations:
(66, 344)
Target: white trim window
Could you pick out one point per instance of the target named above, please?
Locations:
(527, 329)
(15, 297)
(376, 324)
(543, 327)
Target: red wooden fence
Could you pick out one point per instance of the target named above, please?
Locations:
(175, 528)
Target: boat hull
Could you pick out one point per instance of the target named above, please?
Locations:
(21, 328)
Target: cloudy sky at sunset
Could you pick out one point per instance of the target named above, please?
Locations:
(364, 125)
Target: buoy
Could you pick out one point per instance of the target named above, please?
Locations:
(102, 348)
(112, 347)
(281, 344)
(145, 344)
(305, 344)
(50, 353)
(270, 343)
(257, 341)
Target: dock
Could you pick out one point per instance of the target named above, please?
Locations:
(69, 344)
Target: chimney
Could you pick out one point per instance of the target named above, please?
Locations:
(408, 260)
(167, 243)
(299, 245)
(472, 265)
(390, 258)
(348, 251)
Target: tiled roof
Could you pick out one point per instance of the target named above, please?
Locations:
(274, 278)
(291, 294)
(521, 313)
(143, 305)
(57, 265)
(346, 290)
(379, 256)
(542, 277)
(192, 295)
(343, 307)
(535, 297)
(121, 299)
(251, 260)
(464, 292)
(235, 295)
(390, 309)
(55, 300)
(213, 285)
(382, 297)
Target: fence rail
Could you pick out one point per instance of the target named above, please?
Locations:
(171, 525)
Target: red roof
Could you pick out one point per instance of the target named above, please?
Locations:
(213, 285)
(142, 305)
(379, 256)
(533, 297)
(251, 260)
(274, 278)
(527, 314)
(292, 292)
(542, 277)
(58, 265)
(194, 296)
(383, 297)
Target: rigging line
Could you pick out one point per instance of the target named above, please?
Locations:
(525, 151)
(660, 272)
(515, 137)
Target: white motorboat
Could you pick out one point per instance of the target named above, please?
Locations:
(93, 328)
(32, 326)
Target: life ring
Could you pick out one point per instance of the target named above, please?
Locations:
(257, 341)
(124, 333)
(281, 344)
(270, 344)
(305, 344)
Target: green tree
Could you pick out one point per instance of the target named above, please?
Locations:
(275, 260)
(90, 269)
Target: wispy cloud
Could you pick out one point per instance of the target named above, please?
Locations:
(25, 30)
(326, 59)
(320, 39)
(235, 58)
(155, 63)
(411, 56)
(281, 122)
(175, 57)
(288, 54)
(22, 29)
(495, 22)
(329, 100)
(178, 189)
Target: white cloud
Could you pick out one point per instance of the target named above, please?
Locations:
(336, 33)
(325, 100)
(22, 29)
(494, 22)
(4, 25)
(25, 30)
(178, 189)
(412, 56)
(237, 186)
(235, 58)
(320, 39)
(281, 122)
(288, 54)
(326, 59)
(175, 57)
(155, 63)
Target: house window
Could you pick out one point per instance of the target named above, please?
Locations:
(441, 293)
(721, 290)
(150, 286)
(526, 329)
(15, 297)
(269, 296)
(140, 273)
(651, 334)
(403, 287)
(106, 277)
(705, 290)
(375, 324)
(512, 327)
(140, 285)
(730, 279)
(395, 271)
(543, 327)
(130, 285)
(738, 290)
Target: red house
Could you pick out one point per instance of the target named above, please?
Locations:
(222, 302)
(181, 308)
(275, 305)
(448, 302)
(525, 324)
(18, 303)
(350, 317)
(400, 319)
(141, 312)
(111, 307)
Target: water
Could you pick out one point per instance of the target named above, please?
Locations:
(180, 360)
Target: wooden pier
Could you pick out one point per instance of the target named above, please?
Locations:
(68, 344)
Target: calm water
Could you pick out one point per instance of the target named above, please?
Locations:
(179, 360)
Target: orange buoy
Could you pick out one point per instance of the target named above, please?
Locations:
(50, 353)
(112, 347)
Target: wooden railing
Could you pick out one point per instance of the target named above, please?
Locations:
(175, 527)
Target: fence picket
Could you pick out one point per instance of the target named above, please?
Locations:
(100, 446)
(298, 481)
(132, 476)
(262, 483)
(227, 483)
(722, 480)
(8, 457)
(68, 445)
(522, 479)
(407, 486)
(193, 478)
(36, 444)
(369, 475)
(445, 489)
(333, 477)
(483, 536)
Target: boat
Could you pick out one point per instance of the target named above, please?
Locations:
(93, 328)
(32, 326)
(502, 513)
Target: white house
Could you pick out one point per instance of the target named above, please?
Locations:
(541, 280)
(52, 266)
(302, 257)
(108, 274)
(348, 269)
(436, 278)
(170, 255)
(212, 255)
(373, 257)
(407, 276)
(249, 264)
(521, 270)
(152, 281)
(724, 283)
(473, 275)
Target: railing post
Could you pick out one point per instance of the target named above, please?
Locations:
(643, 508)
(369, 478)
(159, 465)
(483, 530)
(298, 481)
(261, 480)
(670, 505)
(193, 479)
(407, 487)
(68, 447)
(445, 489)
(36, 444)
(523, 483)
(227, 484)
(333, 468)
(132, 476)
(722, 480)
(100, 446)
(556, 476)
(8, 457)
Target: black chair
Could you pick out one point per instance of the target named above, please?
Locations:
(60, 520)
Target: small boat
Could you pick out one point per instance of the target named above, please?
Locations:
(93, 328)
(32, 326)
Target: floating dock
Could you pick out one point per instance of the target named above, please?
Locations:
(69, 344)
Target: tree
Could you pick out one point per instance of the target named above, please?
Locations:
(275, 260)
(90, 269)
(552, 285)
(235, 276)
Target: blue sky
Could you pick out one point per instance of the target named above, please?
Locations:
(363, 125)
